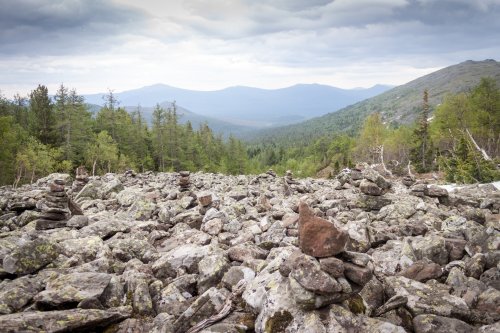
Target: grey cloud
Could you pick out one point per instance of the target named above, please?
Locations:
(260, 17)
(53, 27)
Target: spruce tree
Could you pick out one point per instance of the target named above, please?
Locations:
(42, 115)
(421, 154)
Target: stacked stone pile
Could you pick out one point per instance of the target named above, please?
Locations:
(184, 182)
(81, 179)
(335, 276)
(54, 207)
(289, 178)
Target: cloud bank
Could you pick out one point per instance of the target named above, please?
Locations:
(209, 44)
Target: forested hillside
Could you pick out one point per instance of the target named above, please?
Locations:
(40, 135)
(461, 138)
(400, 105)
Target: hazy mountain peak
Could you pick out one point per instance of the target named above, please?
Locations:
(243, 105)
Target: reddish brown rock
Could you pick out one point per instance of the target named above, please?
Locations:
(318, 237)
(205, 199)
(422, 271)
(357, 274)
(455, 248)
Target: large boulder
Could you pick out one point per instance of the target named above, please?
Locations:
(81, 320)
(72, 289)
(30, 256)
(16, 294)
(425, 298)
(428, 323)
(185, 257)
(205, 306)
(306, 270)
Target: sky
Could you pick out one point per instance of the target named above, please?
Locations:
(96, 45)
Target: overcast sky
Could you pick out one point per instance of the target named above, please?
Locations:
(93, 45)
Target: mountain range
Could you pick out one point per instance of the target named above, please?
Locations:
(246, 107)
(399, 105)
(216, 125)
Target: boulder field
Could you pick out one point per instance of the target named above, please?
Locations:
(170, 252)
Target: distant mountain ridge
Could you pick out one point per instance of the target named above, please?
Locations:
(196, 120)
(246, 106)
(401, 104)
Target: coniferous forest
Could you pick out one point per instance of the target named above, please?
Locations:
(42, 134)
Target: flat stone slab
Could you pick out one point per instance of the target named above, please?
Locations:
(319, 237)
(63, 321)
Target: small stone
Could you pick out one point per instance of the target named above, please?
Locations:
(44, 224)
(78, 221)
(357, 274)
(184, 173)
(333, 266)
(369, 188)
(423, 271)
(429, 323)
(307, 272)
(205, 199)
(357, 258)
(56, 187)
(435, 191)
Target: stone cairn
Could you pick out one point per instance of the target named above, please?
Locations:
(323, 267)
(81, 179)
(184, 181)
(54, 207)
(271, 173)
(289, 178)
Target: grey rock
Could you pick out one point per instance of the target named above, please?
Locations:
(246, 251)
(208, 304)
(491, 278)
(428, 323)
(71, 288)
(30, 256)
(369, 188)
(63, 321)
(425, 299)
(78, 221)
(16, 294)
(306, 270)
(186, 256)
(235, 274)
(211, 269)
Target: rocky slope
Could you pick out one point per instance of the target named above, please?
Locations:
(211, 253)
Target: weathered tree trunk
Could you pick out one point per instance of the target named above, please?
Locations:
(481, 150)
(409, 170)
